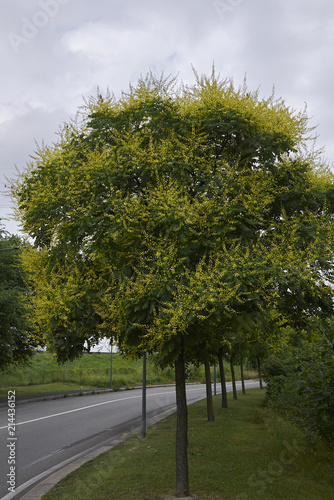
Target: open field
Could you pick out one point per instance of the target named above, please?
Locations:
(93, 370)
(247, 454)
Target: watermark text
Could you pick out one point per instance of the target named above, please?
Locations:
(262, 477)
(30, 27)
(225, 7)
(11, 443)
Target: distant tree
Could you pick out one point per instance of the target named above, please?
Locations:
(174, 212)
(16, 340)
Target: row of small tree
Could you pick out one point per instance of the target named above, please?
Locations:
(180, 220)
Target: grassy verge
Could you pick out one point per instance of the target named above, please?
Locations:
(93, 370)
(90, 370)
(247, 454)
(42, 388)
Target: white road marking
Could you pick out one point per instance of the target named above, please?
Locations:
(90, 406)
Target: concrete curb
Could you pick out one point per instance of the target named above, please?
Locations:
(48, 479)
(51, 480)
(35, 398)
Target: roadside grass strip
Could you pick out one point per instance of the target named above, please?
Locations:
(248, 453)
(26, 390)
(93, 370)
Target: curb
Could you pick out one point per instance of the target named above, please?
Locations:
(48, 479)
(57, 395)
(61, 471)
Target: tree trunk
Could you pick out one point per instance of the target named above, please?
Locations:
(209, 402)
(222, 378)
(259, 370)
(233, 378)
(242, 376)
(182, 478)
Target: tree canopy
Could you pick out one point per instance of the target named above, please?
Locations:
(182, 202)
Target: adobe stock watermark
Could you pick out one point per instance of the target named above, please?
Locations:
(31, 27)
(11, 443)
(262, 477)
(225, 7)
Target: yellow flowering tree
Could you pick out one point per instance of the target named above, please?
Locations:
(165, 216)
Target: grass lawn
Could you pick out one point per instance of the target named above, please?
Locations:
(248, 453)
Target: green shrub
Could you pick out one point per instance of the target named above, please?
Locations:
(316, 389)
(279, 373)
(300, 384)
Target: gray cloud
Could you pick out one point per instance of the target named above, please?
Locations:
(53, 52)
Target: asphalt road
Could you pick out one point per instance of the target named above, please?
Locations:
(50, 434)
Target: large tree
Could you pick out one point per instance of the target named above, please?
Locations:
(169, 211)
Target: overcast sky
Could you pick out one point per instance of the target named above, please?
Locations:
(55, 52)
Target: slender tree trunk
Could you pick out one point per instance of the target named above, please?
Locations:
(242, 376)
(259, 370)
(209, 402)
(222, 378)
(182, 478)
(233, 378)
